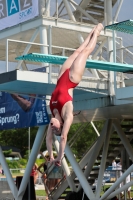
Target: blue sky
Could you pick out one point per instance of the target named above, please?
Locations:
(126, 13)
(126, 10)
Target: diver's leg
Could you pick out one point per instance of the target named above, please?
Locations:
(67, 64)
(78, 66)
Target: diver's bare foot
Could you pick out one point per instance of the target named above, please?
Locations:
(98, 29)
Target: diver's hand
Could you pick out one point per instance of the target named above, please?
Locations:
(51, 160)
(57, 162)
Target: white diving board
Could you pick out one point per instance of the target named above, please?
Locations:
(124, 26)
(95, 64)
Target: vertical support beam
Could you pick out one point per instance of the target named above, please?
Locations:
(114, 59)
(125, 165)
(82, 179)
(65, 167)
(8, 175)
(57, 9)
(44, 7)
(110, 48)
(44, 40)
(104, 157)
(35, 149)
(121, 58)
(109, 12)
(70, 14)
(47, 9)
(123, 138)
(121, 50)
(50, 52)
(105, 13)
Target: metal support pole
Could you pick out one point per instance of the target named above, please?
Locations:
(96, 149)
(47, 9)
(105, 13)
(110, 47)
(50, 52)
(42, 6)
(82, 163)
(95, 129)
(123, 138)
(35, 149)
(121, 57)
(118, 10)
(84, 12)
(70, 14)
(8, 175)
(125, 187)
(65, 167)
(57, 9)
(44, 40)
(114, 59)
(82, 179)
(103, 162)
(117, 183)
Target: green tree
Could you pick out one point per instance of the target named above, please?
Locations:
(85, 139)
(19, 138)
(7, 153)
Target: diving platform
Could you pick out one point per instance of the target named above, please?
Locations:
(94, 105)
(26, 82)
(93, 64)
(31, 82)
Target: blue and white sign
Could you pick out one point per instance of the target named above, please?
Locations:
(13, 12)
(18, 111)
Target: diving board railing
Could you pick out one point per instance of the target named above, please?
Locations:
(30, 44)
(94, 64)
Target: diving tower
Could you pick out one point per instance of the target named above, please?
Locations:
(99, 96)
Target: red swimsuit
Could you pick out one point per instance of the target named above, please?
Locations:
(60, 95)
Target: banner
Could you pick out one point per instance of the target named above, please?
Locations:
(19, 111)
(13, 12)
